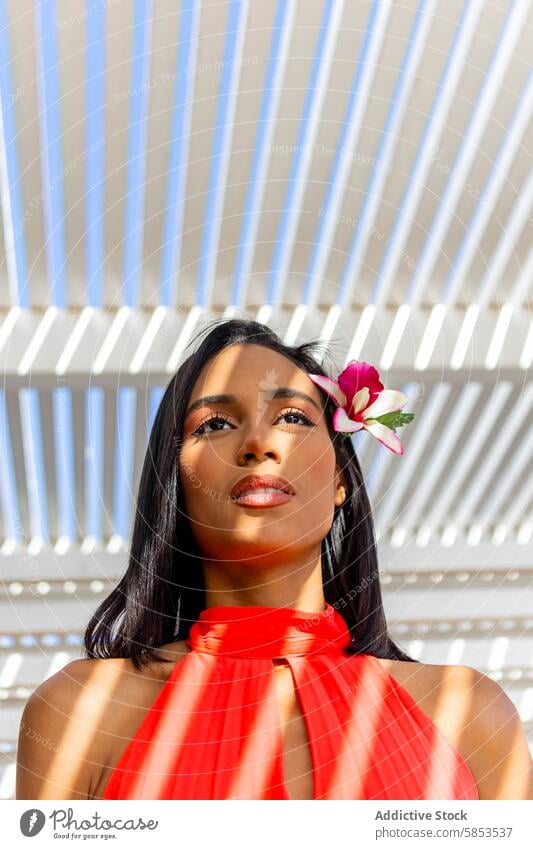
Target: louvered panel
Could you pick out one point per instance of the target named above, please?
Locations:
(358, 173)
(108, 488)
(438, 88)
(79, 437)
(140, 442)
(49, 445)
(22, 511)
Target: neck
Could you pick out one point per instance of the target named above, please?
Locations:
(296, 584)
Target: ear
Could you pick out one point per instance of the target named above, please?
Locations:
(341, 490)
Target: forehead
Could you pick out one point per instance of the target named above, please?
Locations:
(244, 369)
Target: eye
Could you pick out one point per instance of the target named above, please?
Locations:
(220, 417)
(298, 414)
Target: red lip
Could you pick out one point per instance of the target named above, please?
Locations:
(257, 481)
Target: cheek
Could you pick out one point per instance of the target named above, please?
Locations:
(320, 469)
(199, 486)
(190, 480)
(317, 489)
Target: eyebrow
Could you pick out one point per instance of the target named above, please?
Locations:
(281, 392)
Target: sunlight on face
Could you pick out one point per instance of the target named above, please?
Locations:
(257, 434)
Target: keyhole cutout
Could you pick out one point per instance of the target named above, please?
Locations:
(297, 761)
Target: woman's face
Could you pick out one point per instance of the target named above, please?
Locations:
(257, 434)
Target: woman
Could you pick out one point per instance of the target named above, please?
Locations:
(245, 652)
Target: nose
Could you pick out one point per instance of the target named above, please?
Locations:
(246, 455)
(254, 446)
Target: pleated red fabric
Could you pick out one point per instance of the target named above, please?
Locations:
(214, 731)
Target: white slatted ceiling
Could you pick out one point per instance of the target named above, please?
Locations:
(444, 104)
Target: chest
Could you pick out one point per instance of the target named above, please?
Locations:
(288, 716)
(130, 710)
(425, 684)
(297, 761)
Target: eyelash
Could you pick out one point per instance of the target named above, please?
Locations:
(222, 417)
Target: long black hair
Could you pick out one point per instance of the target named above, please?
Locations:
(162, 591)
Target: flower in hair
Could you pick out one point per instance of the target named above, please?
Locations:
(364, 404)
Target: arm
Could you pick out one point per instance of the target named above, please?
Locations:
(55, 735)
(501, 760)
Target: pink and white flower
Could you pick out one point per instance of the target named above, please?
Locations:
(364, 404)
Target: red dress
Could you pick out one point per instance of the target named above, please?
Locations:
(214, 730)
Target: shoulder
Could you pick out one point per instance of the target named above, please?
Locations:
(81, 681)
(477, 716)
(68, 688)
(75, 685)
(72, 720)
(501, 758)
(84, 684)
(53, 758)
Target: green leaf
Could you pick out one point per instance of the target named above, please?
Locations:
(394, 419)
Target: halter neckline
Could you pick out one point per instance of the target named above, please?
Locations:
(268, 632)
